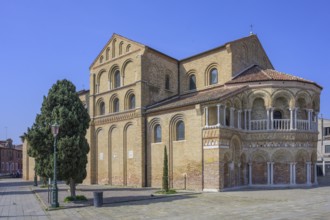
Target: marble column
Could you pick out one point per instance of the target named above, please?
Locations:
(245, 125)
(316, 121)
(315, 174)
(249, 110)
(232, 117)
(250, 174)
(218, 114)
(268, 173)
(224, 116)
(291, 173)
(272, 173)
(295, 118)
(271, 118)
(308, 167)
(268, 118)
(238, 183)
(308, 119)
(206, 116)
(291, 118)
(294, 172)
(239, 123)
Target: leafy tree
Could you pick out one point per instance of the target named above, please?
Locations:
(62, 105)
(165, 172)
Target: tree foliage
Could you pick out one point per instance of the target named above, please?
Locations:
(62, 105)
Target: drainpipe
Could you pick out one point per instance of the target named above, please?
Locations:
(145, 151)
(322, 147)
(322, 132)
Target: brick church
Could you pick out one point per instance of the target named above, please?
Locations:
(226, 117)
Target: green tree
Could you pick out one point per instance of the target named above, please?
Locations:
(165, 172)
(62, 105)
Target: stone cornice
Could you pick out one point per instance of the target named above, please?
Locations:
(116, 117)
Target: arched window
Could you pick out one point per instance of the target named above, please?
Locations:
(192, 82)
(180, 131)
(121, 47)
(213, 76)
(157, 134)
(167, 82)
(132, 101)
(101, 59)
(117, 79)
(128, 48)
(102, 108)
(116, 105)
(277, 115)
(114, 48)
(107, 53)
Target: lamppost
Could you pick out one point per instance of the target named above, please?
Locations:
(55, 130)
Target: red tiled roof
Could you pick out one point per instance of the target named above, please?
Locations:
(216, 93)
(256, 73)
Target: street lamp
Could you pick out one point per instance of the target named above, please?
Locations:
(55, 130)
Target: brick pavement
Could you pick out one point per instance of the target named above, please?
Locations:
(312, 203)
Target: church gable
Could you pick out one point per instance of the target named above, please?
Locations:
(116, 47)
(246, 52)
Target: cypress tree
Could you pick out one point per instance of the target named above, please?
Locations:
(62, 105)
(165, 172)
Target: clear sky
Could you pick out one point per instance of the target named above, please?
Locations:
(43, 41)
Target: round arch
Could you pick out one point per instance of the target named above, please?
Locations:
(111, 102)
(302, 94)
(207, 73)
(128, 95)
(263, 94)
(283, 93)
(282, 155)
(123, 68)
(235, 145)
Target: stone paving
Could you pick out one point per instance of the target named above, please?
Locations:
(18, 202)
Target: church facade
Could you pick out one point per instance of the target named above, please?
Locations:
(225, 116)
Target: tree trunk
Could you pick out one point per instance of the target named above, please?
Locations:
(44, 181)
(73, 188)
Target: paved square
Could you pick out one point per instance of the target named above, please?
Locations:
(17, 201)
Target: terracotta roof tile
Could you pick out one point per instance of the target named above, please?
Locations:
(216, 93)
(256, 73)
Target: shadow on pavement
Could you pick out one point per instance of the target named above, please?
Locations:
(114, 189)
(131, 200)
(112, 196)
(14, 182)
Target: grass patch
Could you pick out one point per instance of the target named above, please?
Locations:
(78, 198)
(170, 191)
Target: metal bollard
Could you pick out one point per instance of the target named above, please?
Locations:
(98, 199)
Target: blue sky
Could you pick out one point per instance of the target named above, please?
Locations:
(43, 41)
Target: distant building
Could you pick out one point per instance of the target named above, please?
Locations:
(323, 146)
(10, 157)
